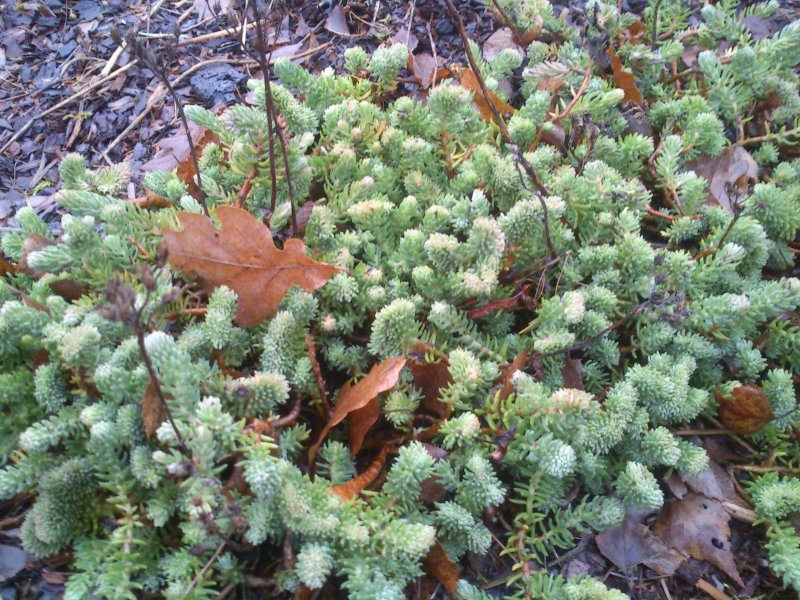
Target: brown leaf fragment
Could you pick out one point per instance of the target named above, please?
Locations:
(572, 373)
(729, 174)
(697, 526)
(519, 362)
(174, 149)
(6, 267)
(430, 378)
(470, 82)
(624, 79)
(243, 256)
(33, 243)
(337, 21)
(359, 423)
(632, 543)
(153, 410)
(438, 565)
(427, 69)
(746, 410)
(351, 489)
(714, 483)
(500, 40)
(382, 377)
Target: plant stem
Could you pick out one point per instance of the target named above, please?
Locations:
(519, 159)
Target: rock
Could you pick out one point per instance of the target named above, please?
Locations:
(216, 84)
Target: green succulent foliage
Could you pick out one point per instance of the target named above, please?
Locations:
(431, 221)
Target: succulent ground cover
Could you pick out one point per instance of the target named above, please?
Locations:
(371, 345)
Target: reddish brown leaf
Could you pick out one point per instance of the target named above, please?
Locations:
(746, 410)
(153, 410)
(572, 373)
(437, 564)
(518, 363)
(632, 543)
(6, 267)
(67, 289)
(470, 82)
(382, 377)
(186, 171)
(243, 257)
(430, 378)
(354, 487)
(151, 200)
(426, 69)
(636, 32)
(360, 421)
(624, 79)
(33, 243)
(729, 174)
(494, 305)
(698, 527)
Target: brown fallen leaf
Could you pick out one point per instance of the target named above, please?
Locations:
(359, 423)
(624, 79)
(729, 173)
(500, 40)
(438, 565)
(351, 489)
(33, 243)
(337, 21)
(174, 150)
(714, 483)
(153, 410)
(519, 362)
(186, 171)
(746, 410)
(243, 257)
(6, 267)
(697, 526)
(382, 377)
(470, 82)
(632, 543)
(572, 373)
(427, 70)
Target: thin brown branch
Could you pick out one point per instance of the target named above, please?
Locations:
(519, 158)
(584, 84)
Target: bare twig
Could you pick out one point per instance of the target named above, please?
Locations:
(201, 573)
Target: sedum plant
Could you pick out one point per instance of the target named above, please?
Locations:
(169, 448)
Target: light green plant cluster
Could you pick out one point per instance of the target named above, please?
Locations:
(434, 224)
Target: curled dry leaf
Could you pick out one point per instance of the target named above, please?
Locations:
(729, 174)
(359, 423)
(632, 543)
(624, 79)
(572, 373)
(382, 377)
(351, 489)
(243, 257)
(469, 81)
(746, 410)
(697, 526)
(153, 410)
(439, 566)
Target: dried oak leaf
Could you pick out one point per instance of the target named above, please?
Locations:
(153, 410)
(337, 21)
(438, 565)
(243, 257)
(746, 410)
(351, 489)
(359, 423)
(381, 377)
(426, 69)
(632, 543)
(624, 79)
(729, 174)
(470, 82)
(697, 526)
